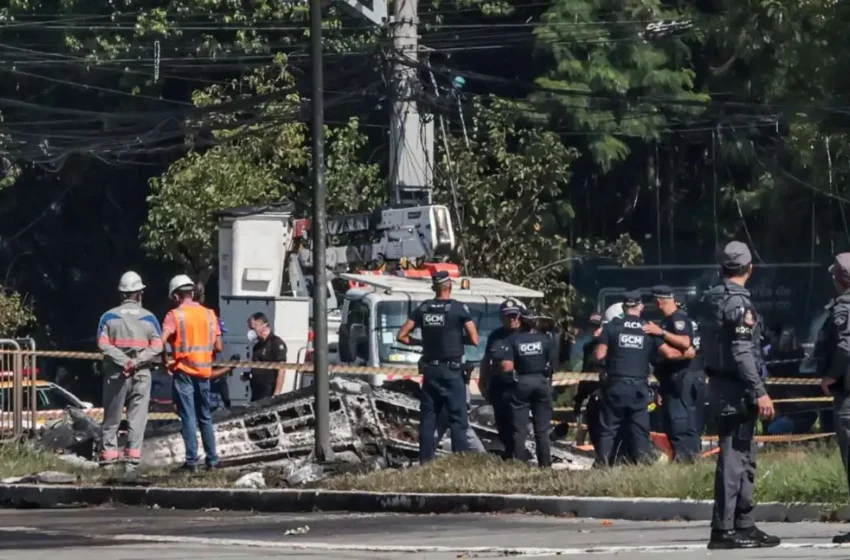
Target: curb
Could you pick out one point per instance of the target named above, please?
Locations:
(291, 501)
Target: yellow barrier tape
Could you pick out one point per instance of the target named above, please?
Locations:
(803, 399)
(560, 378)
(789, 438)
(775, 401)
(97, 414)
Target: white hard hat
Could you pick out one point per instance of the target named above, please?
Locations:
(613, 312)
(130, 282)
(180, 281)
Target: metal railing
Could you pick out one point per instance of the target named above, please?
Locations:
(18, 392)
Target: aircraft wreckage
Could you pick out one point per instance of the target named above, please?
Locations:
(368, 425)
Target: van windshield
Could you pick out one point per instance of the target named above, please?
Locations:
(391, 315)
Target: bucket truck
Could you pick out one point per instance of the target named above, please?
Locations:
(377, 278)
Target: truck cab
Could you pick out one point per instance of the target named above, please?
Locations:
(376, 307)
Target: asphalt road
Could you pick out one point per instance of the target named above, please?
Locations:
(145, 534)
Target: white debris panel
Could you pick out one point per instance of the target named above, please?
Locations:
(366, 424)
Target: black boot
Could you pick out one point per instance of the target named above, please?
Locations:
(728, 540)
(764, 540)
(842, 539)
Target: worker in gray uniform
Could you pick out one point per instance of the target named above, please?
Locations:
(130, 338)
(832, 354)
(731, 333)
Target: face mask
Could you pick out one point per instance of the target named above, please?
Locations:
(253, 336)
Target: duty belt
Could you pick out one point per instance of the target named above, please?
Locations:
(610, 378)
(454, 364)
(730, 375)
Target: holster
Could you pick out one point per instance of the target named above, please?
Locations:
(738, 406)
(466, 371)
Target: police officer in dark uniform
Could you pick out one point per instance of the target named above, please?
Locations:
(588, 391)
(530, 358)
(832, 353)
(443, 323)
(496, 384)
(627, 350)
(681, 382)
(731, 334)
(589, 364)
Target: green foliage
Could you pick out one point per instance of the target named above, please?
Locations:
(259, 161)
(510, 186)
(15, 313)
(9, 171)
(611, 77)
(792, 55)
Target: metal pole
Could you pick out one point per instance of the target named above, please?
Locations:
(30, 361)
(319, 227)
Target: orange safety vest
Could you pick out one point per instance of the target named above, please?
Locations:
(194, 341)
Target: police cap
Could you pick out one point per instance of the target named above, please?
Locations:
(510, 307)
(662, 292)
(440, 277)
(735, 255)
(840, 268)
(528, 314)
(631, 298)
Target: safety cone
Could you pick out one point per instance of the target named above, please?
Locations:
(663, 443)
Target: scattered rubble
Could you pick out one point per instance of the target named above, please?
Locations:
(47, 477)
(371, 428)
(74, 432)
(77, 461)
(251, 480)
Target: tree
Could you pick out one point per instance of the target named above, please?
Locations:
(608, 77)
(788, 57)
(15, 313)
(263, 161)
(507, 188)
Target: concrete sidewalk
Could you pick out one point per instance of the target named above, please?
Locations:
(635, 509)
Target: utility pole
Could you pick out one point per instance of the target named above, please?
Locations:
(411, 157)
(411, 136)
(411, 139)
(321, 385)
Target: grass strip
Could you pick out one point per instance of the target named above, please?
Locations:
(23, 460)
(812, 473)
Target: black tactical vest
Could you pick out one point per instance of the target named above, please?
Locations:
(531, 353)
(715, 342)
(442, 331)
(629, 349)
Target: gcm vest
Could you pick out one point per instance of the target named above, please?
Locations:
(442, 332)
(530, 356)
(194, 340)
